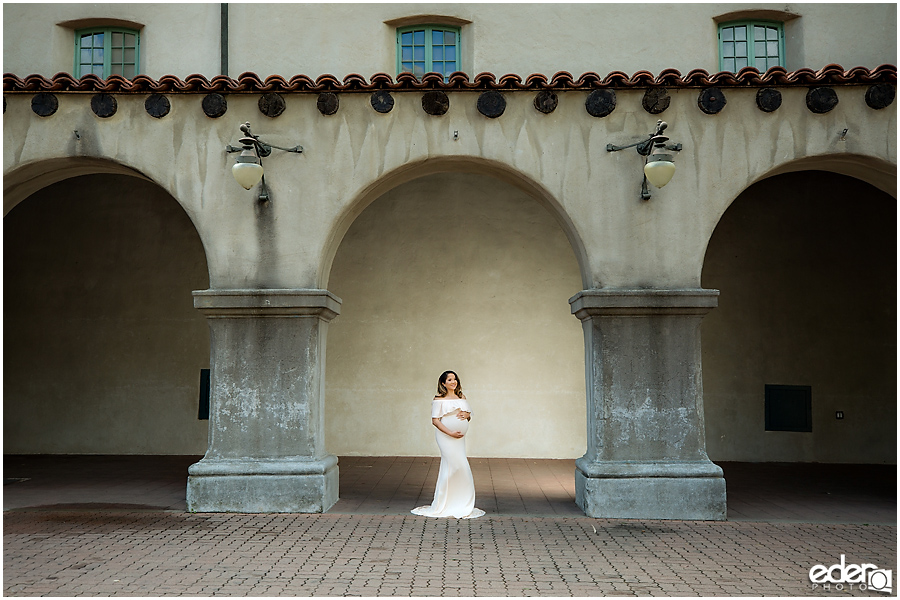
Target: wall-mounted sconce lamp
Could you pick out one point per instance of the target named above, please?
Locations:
(248, 169)
(659, 166)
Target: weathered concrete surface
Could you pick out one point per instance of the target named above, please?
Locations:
(646, 444)
(637, 497)
(266, 430)
(263, 485)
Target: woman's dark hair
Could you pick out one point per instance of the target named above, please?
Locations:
(442, 390)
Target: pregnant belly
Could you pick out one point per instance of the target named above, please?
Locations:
(454, 423)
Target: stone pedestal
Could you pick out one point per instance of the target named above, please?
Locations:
(266, 425)
(646, 446)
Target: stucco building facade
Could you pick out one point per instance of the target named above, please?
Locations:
(474, 220)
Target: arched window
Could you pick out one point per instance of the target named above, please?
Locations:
(757, 44)
(425, 48)
(107, 51)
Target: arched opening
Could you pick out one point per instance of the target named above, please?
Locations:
(103, 349)
(805, 331)
(456, 270)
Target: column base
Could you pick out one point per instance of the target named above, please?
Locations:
(263, 485)
(692, 491)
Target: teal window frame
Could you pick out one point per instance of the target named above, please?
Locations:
(752, 47)
(107, 53)
(429, 55)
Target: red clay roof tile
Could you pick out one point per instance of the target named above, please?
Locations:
(458, 81)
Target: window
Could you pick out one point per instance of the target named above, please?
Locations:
(425, 48)
(757, 44)
(788, 408)
(107, 51)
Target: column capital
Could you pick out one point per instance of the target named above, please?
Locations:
(236, 303)
(619, 302)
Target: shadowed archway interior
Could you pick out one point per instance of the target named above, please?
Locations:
(806, 266)
(102, 345)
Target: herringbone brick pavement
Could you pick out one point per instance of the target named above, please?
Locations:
(154, 553)
(116, 526)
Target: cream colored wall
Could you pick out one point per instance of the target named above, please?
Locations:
(102, 348)
(463, 272)
(340, 39)
(837, 33)
(176, 39)
(578, 38)
(354, 156)
(102, 345)
(806, 266)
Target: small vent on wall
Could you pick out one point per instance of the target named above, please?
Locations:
(203, 413)
(788, 408)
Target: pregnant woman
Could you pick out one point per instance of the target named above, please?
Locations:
(454, 494)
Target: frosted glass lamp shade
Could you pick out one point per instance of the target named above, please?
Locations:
(659, 170)
(246, 170)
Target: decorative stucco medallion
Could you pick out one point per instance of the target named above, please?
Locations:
(104, 105)
(880, 95)
(546, 102)
(711, 101)
(435, 102)
(328, 103)
(157, 105)
(491, 104)
(821, 100)
(656, 100)
(43, 104)
(214, 105)
(382, 101)
(768, 99)
(600, 103)
(271, 104)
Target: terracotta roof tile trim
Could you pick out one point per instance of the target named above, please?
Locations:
(458, 81)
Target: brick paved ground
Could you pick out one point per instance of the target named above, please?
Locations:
(116, 526)
(120, 552)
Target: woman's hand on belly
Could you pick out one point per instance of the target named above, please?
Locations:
(456, 426)
(443, 428)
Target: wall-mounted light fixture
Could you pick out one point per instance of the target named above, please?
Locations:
(248, 169)
(659, 166)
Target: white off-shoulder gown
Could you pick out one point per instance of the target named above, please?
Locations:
(454, 494)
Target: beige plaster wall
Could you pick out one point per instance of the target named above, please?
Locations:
(806, 266)
(102, 348)
(314, 39)
(866, 37)
(354, 156)
(176, 39)
(463, 272)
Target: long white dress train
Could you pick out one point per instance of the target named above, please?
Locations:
(454, 494)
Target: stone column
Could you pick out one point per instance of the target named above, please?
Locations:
(646, 445)
(266, 425)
